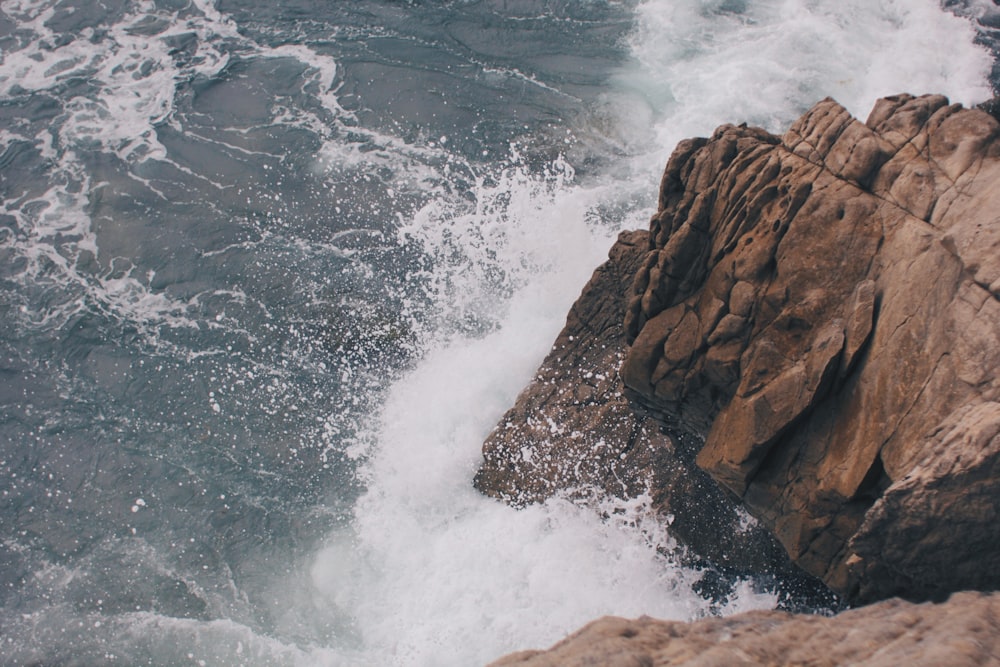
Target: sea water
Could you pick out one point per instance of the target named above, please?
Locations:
(271, 271)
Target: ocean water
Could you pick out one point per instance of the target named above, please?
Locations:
(271, 271)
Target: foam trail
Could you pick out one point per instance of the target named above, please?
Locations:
(136, 78)
(700, 63)
(432, 573)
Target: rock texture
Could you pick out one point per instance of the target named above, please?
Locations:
(963, 631)
(572, 431)
(823, 310)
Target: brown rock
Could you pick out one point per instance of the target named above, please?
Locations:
(573, 432)
(823, 309)
(963, 631)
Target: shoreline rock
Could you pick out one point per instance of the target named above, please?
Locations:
(813, 320)
(964, 631)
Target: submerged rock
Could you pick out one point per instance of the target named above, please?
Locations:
(963, 631)
(823, 309)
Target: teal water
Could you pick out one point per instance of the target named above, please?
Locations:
(269, 272)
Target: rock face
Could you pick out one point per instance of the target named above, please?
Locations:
(823, 310)
(963, 631)
(573, 431)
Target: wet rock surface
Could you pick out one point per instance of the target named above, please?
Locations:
(573, 432)
(813, 320)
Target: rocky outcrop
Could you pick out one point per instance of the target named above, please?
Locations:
(823, 310)
(573, 432)
(814, 321)
(963, 631)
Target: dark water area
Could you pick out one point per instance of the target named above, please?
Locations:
(479, 73)
(241, 246)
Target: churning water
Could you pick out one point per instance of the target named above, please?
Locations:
(270, 271)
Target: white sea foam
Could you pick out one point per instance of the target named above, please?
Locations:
(136, 76)
(481, 253)
(700, 63)
(431, 572)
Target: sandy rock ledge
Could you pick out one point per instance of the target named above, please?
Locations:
(964, 631)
